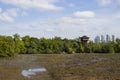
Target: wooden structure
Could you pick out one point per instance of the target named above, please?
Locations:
(84, 40)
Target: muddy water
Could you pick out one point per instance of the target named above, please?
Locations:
(60, 67)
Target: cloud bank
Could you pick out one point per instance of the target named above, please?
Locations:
(37, 4)
(79, 17)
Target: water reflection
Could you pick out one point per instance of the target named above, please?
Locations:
(28, 73)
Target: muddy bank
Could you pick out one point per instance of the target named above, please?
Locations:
(61, 67)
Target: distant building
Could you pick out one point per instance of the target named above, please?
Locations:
(102, 38)
(108, 38)
(113, 38)
(97, 39)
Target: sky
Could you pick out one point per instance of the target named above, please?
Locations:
(63, 18)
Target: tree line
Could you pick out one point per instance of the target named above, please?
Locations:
(11, 46)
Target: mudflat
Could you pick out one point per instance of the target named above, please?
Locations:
(61, 67)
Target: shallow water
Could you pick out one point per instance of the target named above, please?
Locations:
(30, 72)
(92, 61)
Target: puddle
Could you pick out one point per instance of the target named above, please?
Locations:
(30, 72)
(98, 60)
(92, 61)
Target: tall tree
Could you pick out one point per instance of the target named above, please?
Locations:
(17, 43)
(26, 40)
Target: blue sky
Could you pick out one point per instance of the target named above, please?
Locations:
(64, 18)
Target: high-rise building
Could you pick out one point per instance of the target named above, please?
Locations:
(107, 38)
(113, 38)
(102, 38)
(97, 39)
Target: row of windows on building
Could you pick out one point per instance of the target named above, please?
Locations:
(105, 38)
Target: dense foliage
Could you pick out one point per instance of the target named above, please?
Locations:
(10, 46)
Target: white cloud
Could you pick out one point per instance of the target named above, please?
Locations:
(84, 14)
(0, 10)
(6, 18)
(78, 17)
(39, 4)
(12, 12)
(49, 30)
(73, 20)
(118, 3)
(8, 15)
(104, 2)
